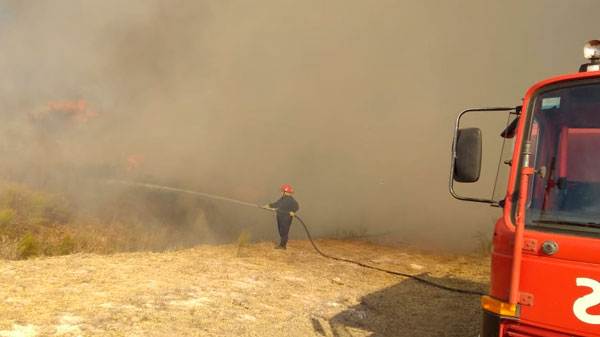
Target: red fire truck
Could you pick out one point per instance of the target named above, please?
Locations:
(545, 265)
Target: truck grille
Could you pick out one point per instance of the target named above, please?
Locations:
(529, 331)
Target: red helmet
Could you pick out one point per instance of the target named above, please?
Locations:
(287, 188)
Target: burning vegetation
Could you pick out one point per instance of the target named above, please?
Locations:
(58, 205)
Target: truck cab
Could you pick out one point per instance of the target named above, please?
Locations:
(545, 264)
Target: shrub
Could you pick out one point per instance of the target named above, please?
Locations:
(67, 245)
(28, 246)
(35, 222)
(31, 207)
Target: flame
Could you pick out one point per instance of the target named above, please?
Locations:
(132, 163)
(77, 112)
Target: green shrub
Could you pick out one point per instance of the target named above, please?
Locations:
(36, 222)
(32, 207)
(28, 246)
(67, 245)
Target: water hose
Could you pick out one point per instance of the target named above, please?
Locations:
(411, 276)
(391, 272)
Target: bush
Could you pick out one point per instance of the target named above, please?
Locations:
(31, 207)
(67, 245)
(28, 246)
(34, 222)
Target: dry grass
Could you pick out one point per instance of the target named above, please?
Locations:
(9, 247)
(241, 290)
(34, 222)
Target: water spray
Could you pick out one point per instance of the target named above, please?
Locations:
(239, 202)
(180, 190)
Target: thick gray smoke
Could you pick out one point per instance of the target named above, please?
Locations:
(352, 102)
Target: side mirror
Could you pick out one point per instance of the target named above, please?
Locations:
(467, 164)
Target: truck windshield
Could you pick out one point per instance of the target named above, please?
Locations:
(565, 137)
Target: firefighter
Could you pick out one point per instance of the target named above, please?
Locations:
(286, 208)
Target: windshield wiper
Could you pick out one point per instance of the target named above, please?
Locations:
(567, 222)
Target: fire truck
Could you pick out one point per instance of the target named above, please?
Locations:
(545, 264)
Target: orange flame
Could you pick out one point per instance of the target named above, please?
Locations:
(133, 163)
(76, 111)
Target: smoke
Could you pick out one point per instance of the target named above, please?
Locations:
(350, 102)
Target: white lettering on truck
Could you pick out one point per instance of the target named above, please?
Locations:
(585, 302)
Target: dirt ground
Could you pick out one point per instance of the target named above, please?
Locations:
(249, 291)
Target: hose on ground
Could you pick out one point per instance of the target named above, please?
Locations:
(387, 271)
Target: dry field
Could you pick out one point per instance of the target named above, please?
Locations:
(249, 291)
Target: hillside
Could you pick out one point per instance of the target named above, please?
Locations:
(249, 290)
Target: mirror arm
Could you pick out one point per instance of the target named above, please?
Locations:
(453, 157)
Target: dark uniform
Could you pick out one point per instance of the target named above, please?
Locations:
(284, 206)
